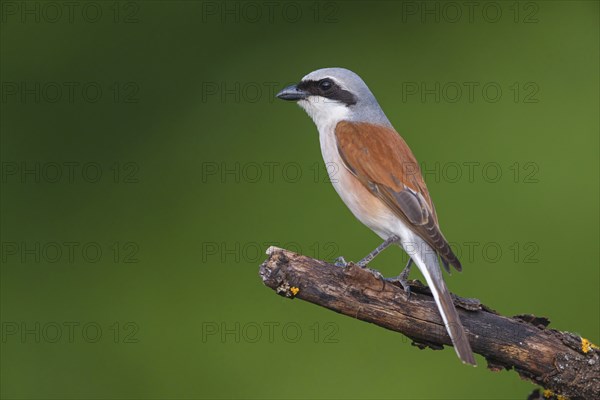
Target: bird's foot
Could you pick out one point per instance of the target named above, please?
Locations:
(340, 262)
(403, 282)
(402, 279)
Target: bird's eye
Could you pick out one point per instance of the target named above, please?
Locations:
(325, 84)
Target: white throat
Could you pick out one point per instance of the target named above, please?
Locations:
(324, 112)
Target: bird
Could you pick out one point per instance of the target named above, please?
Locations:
(378, 178)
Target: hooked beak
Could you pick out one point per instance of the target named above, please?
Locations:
(292, 93)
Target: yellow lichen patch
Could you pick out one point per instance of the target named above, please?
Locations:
(550, 394)
(294, 290)
(586, 345)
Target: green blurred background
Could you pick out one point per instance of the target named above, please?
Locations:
(142, 282)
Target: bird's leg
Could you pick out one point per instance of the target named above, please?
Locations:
(369, 257)
(403, 277)
(341, 262)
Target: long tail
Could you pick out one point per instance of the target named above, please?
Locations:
(427, 262)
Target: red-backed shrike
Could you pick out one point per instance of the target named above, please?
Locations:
(380, 181)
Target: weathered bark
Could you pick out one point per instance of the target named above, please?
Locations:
(562, 362)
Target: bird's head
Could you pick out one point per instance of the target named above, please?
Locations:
(331, 95)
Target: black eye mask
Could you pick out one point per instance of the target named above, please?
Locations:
(329, 89)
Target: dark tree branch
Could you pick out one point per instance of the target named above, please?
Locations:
(559, 361)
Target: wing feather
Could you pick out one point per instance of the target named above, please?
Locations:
(395, 179)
